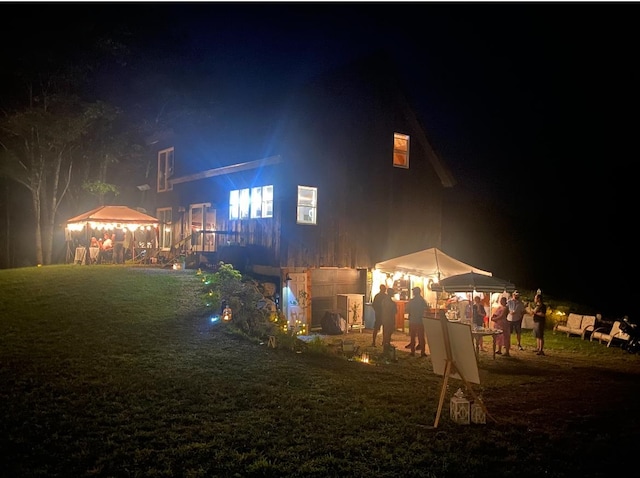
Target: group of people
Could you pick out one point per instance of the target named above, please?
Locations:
(507, 317)
(385, 310)
(111, 245)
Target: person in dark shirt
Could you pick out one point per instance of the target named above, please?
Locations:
(539, 321)
(415, 308)
(118, 246)
(389, 310)
(478, 318)
(377, 309)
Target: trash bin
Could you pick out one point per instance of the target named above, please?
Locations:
(369, 316)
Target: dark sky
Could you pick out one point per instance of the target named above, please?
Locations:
(532, 105)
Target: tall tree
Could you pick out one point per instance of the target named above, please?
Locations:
(38, 146)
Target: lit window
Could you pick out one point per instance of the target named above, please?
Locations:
(255, 203)
(307, 205)
(203, 225)
(166, 234)
(401, 150)
(267, 201)
(234, 204)
(245, 203)
(262, 202)
(165, 169)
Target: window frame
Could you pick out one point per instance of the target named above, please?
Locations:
(166, 163)
(246, 203)
(261, 198)
(166, 227)
(307, 205)
(206, 212)
(401, 151)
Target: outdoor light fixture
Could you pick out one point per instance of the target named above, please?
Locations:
(288, 278)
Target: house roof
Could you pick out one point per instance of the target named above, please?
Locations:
(380, 67)
(233, 168)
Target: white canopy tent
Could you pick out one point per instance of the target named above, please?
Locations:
(422, 269)
(431, 263)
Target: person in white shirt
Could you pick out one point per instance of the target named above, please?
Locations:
(516, 314)
(106, 246)
(107, 243)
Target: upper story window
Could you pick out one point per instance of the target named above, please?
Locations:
(165, 169)
(307, 205)
(400, 150)
(251, 203)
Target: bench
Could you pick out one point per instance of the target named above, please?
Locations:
(605, 335)
(576, 324)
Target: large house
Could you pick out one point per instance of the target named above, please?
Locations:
(341, 177)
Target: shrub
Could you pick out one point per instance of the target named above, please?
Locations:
(227, 286)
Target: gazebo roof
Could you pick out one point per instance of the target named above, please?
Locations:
(113, 215)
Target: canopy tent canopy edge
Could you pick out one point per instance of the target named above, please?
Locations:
(473, 282)
(110, 216)
(431, 263)
(424, 268)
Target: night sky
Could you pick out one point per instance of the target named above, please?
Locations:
(533, 106)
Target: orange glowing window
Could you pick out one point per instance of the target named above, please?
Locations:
(401, 150)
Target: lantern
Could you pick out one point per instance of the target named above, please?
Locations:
(460, 408)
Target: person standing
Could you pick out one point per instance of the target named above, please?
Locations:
(499, 319)
(516, 314)
(118, 246)
(478, 314)
(539, 322)
(377, 311)
(415, 308)
(128, 243)
(389, 310)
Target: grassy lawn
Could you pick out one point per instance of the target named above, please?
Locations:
(113, 371)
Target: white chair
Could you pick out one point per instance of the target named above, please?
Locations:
(604, 337)
(570, 326)
(588, 325)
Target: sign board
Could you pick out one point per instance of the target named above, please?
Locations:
(463, 354)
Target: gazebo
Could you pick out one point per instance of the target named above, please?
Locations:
(109, 218)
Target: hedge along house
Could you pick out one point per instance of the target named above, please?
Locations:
(341, 177)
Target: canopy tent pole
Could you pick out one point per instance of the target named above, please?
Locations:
(87, 253)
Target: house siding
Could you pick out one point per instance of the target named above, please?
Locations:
(337, 135)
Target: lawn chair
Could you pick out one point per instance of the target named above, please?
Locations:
(588, 325)
(576, 324)
(602, 336)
